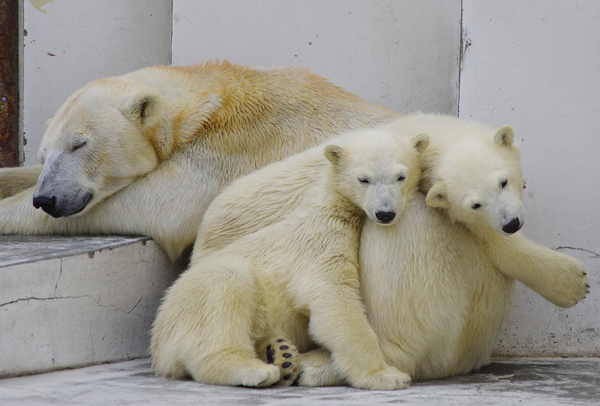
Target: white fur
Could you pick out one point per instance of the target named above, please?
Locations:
(436, 284)
(434, 299)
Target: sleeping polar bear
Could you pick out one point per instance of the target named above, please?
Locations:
(145, 153)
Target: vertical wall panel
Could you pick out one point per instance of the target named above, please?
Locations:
(536, 65)
(399, 54)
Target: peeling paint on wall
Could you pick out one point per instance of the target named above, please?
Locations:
(38, 4)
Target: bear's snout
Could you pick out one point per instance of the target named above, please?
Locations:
(57, 207)
(385, 216)
(513, 226)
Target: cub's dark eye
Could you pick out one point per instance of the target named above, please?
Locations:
(363, 180)
(476, 206)
(401, 178)
(503, 183)
(78, 145)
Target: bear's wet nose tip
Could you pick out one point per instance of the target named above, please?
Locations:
(513, 226)
(45, 203)
(385, 216)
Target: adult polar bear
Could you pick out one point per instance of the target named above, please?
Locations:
(438, 284)
(145, 153)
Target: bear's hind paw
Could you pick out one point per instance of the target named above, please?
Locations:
(283, 354)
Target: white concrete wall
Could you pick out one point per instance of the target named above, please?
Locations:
(400, 54)
(536, 65)
(69, 43)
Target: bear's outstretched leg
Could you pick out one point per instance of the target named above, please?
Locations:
(283, 354)
(555, 276)
(205, 324)
(339, 323)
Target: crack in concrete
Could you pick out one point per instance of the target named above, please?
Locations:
(26, 299)
(97, 301)
(133, 308)
(59, 275)
(595, 254)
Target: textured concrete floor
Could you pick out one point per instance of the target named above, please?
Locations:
(544, 382)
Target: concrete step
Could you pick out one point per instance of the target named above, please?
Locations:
(531, 382)
(73, 301)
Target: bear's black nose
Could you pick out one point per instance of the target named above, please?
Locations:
(45, 203)
(385, 216)
(512, 227)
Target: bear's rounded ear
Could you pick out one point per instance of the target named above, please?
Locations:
(333, 153)
(420, 142)
(504, 136)
(47, 123)
(436, 197)
(144, 108)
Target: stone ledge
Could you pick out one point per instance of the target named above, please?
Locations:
(21, 249)
(73, 301)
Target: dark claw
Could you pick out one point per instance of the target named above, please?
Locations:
(284, 347)
(287, 377)
(286, 355)
(286, 365)
(585, 273)
(280, 340)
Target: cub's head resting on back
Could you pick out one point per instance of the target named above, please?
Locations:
(481, 183)
(378, 171)
(470, 171)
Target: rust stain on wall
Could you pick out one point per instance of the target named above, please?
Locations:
(9, 83)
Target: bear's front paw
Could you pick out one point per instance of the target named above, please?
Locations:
(573, 283)
(388, 378)
(283, 354)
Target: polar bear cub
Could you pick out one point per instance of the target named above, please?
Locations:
(297, 278)
(473, 175)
